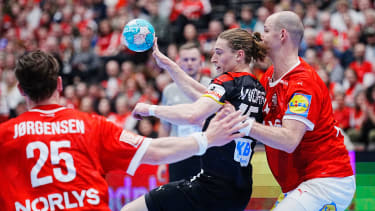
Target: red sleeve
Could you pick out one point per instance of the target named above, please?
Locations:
(120, 149)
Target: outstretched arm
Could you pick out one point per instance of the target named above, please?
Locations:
(194, 113)
(192, 88)
(221, 130)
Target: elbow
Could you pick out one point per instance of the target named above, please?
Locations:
(292, 146)
(290, 149)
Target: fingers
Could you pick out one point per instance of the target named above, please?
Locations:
(234, 122)
(224, 111)
(229, 106)
(236, 135)
(221, 114)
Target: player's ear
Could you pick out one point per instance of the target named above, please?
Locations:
(59, 84)
(240, 55)
(283, 34)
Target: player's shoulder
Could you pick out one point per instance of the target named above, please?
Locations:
(230, 76)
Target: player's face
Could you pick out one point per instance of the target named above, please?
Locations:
(190, 61)
(270, 35)
(224, 58)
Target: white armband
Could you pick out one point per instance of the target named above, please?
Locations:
(201, 139)
(151, 110)
(246, 130)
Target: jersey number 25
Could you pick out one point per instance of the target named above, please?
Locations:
(56, 156)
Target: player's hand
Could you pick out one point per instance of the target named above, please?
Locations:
(224, 126)
(140, 110)
(161, 60)
(228, 108)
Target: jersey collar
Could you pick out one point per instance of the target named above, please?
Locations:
(274, 83)
(51, 108)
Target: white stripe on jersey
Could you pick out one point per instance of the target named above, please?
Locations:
(47, 111)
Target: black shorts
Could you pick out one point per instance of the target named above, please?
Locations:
(195, 195)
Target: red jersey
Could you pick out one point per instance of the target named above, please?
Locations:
(301, 95)
(55, 158)
(361, 69)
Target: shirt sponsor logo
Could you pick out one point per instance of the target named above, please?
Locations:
(61, 201)
(242, 152)
(131, 138)
(215, 91)
(299, 104)
(329, 207)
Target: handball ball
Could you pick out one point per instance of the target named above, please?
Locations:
(138, 35)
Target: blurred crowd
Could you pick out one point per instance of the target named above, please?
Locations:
(102, 76)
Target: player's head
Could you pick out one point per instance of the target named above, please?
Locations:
(280, 25)
(237, 46)
(190, 58)
(37, 73)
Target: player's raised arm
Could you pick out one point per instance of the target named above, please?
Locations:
(192, 88)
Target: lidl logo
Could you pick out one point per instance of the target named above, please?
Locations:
(299, 104)
(329, 207)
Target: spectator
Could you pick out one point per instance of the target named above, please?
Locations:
(262, 14)
(247, 20)
(341, 112)
(87, 105)
(208, 39)
(367, 130)
(338, 17)
(104, 108)
(85, 63)
(190, 34)
(308, 42)
(230, 21)
(13, 96)
(161, 24)
(112, 83)
(71, 100)
(348, 54)
(360, 65)
(122, 114)
(332, 86)
(4, 109)
(145, 127)
(108, 40)
(357, 117)
(333, 67)
(311, 19)
(370, 46)
(351, 86)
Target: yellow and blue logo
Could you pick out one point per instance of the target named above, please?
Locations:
(299, 104)
(329, 207)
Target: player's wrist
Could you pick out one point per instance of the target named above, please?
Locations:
(201, 139)
(151, 110)
(247, 130)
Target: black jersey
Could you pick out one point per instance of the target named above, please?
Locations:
(230, 163)
(225, 182)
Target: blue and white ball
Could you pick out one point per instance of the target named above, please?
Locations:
(138, 35)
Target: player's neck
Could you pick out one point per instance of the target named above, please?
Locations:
(54, 99)
(242, 68)
(283, 63)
